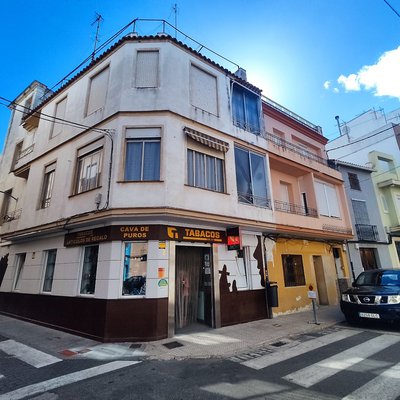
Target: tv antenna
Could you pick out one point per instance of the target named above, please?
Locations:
(97, 21)
(175, 11)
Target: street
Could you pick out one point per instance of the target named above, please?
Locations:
(340, 362)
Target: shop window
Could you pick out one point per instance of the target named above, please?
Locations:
(246, 109)
(135, 269)
(354, 181)
(48, 183)
(251, 178)
(328, 204)
(19, 264)
(97, 91)
(203, 90)
(88, 169)
(89, 270)
(59, 116)
(293, 270)
(50, 263)
(142, 161)
(147, 69)
(205, 171)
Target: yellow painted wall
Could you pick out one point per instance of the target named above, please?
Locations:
(292, 299)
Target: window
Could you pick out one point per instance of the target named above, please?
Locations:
(293, 270)
(142, 161)
(17, 154)
(385, 165)
(50, 263)
(135, 269)
(246, 109)
(48, 183)
(27, 106)
(327, 200)
(360, 212)
(97, 91)
(59, 115)
(251, 178)
(353, 181)
(19, 263)
(146, 69)
(89, 270)
(88, 168)
(5, 205)
(205, 171)
(203, 90)
(384, 203)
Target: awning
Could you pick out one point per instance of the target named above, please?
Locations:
(207, 140)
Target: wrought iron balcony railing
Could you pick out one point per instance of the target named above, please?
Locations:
(295, 209)
(367, 232)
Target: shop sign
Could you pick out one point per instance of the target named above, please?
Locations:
(144, 232)
(195, 235)
(233, 238)
(90, 236)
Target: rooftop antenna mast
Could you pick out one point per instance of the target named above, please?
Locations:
(97, 21)
(175, 11)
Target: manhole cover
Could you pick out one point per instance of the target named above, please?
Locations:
(172, 345)
(278, 344)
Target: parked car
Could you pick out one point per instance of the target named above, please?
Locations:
(375, 295)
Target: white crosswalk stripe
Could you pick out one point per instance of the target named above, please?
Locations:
(36, 358)
(284, 354)
(315, 373)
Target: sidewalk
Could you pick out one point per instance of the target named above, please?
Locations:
(223, 342)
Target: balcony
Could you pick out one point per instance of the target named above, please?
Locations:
(259, 201)
(295, 209)
(294, 148)
(367, 232)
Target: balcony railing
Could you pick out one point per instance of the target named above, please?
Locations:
(295, 209)
(367, 232)
(25, 152)
(259, 201)
(294, 148)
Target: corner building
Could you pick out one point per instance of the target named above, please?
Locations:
(120, 190)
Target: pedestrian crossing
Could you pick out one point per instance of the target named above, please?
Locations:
(367, 362)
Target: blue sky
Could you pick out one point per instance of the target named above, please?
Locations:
(319, 58)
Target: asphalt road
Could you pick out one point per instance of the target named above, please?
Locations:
(338, 363)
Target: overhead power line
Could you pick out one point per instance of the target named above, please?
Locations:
(389, 5)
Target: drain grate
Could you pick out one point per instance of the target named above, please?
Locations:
(172, 345)
(278, 344)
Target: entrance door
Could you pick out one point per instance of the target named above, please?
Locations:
(193, 286)
(320, 277)
(368, 258)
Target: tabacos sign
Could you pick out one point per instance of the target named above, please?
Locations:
(182, 234)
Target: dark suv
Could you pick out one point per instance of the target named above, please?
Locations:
(375, 295)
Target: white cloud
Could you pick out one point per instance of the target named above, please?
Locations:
(382, 78)
(327, 85)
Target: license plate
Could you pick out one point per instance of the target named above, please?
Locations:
(368, 315)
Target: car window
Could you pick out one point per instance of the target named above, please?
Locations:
(379, 278)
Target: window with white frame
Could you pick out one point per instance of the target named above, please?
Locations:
(142, 158)
(385, 206)
(47, 187)
(89, 269)
(59, 116)
(89, 167)
(97, 91)
(19, 268)
(327, 200)
(251, 179)
(205, 171)
(50, 263)
(203, 90)
(135, 269)
(246, 109)
(147, 69)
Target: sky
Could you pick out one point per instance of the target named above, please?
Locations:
(318, 58)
